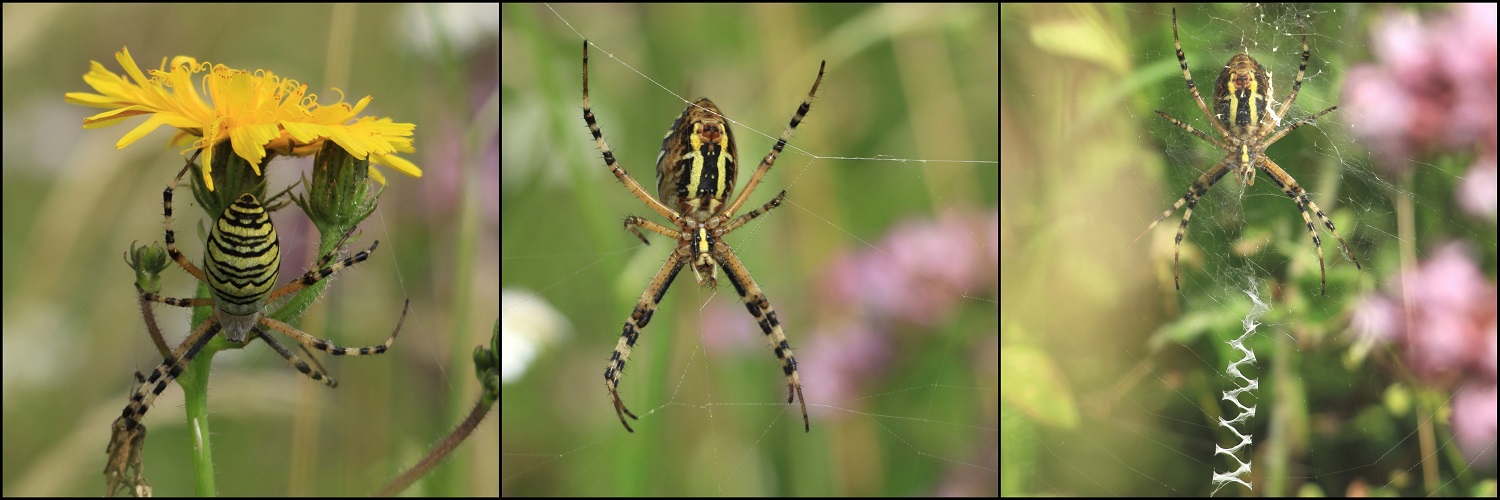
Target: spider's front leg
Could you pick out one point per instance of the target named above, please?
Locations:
(637, 321)
(169, 369)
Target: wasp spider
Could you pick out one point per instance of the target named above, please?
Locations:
(1241, 115)
(240, 264)
(695, 173)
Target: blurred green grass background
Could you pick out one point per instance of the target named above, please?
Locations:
(73, 204)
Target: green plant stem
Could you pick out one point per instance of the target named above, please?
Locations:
(194, 382)
(194, 378)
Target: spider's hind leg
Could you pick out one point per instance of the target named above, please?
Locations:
(328, 347)
(313, 373)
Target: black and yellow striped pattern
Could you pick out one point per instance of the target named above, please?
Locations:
(169, 369)
(696, 166)
(695, 176)
(242, 259)
(241, 262)
(765, 316)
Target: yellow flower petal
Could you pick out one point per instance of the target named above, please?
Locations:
(253, 110)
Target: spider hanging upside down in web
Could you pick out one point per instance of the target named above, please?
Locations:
(695, 173)
(1242, 116)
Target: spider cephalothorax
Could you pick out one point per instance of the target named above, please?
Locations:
(1242, 116)
(695, 174)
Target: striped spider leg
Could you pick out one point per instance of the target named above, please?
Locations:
(695, 173)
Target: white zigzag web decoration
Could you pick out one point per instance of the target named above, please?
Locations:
(1248, 384)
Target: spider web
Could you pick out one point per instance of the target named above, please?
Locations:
(1239, 239)
(909, 390)
(1234, 225)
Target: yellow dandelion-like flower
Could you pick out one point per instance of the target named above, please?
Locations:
(256, 111)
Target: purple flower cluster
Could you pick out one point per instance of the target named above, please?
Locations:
(1433, 88)
(1442, 315)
